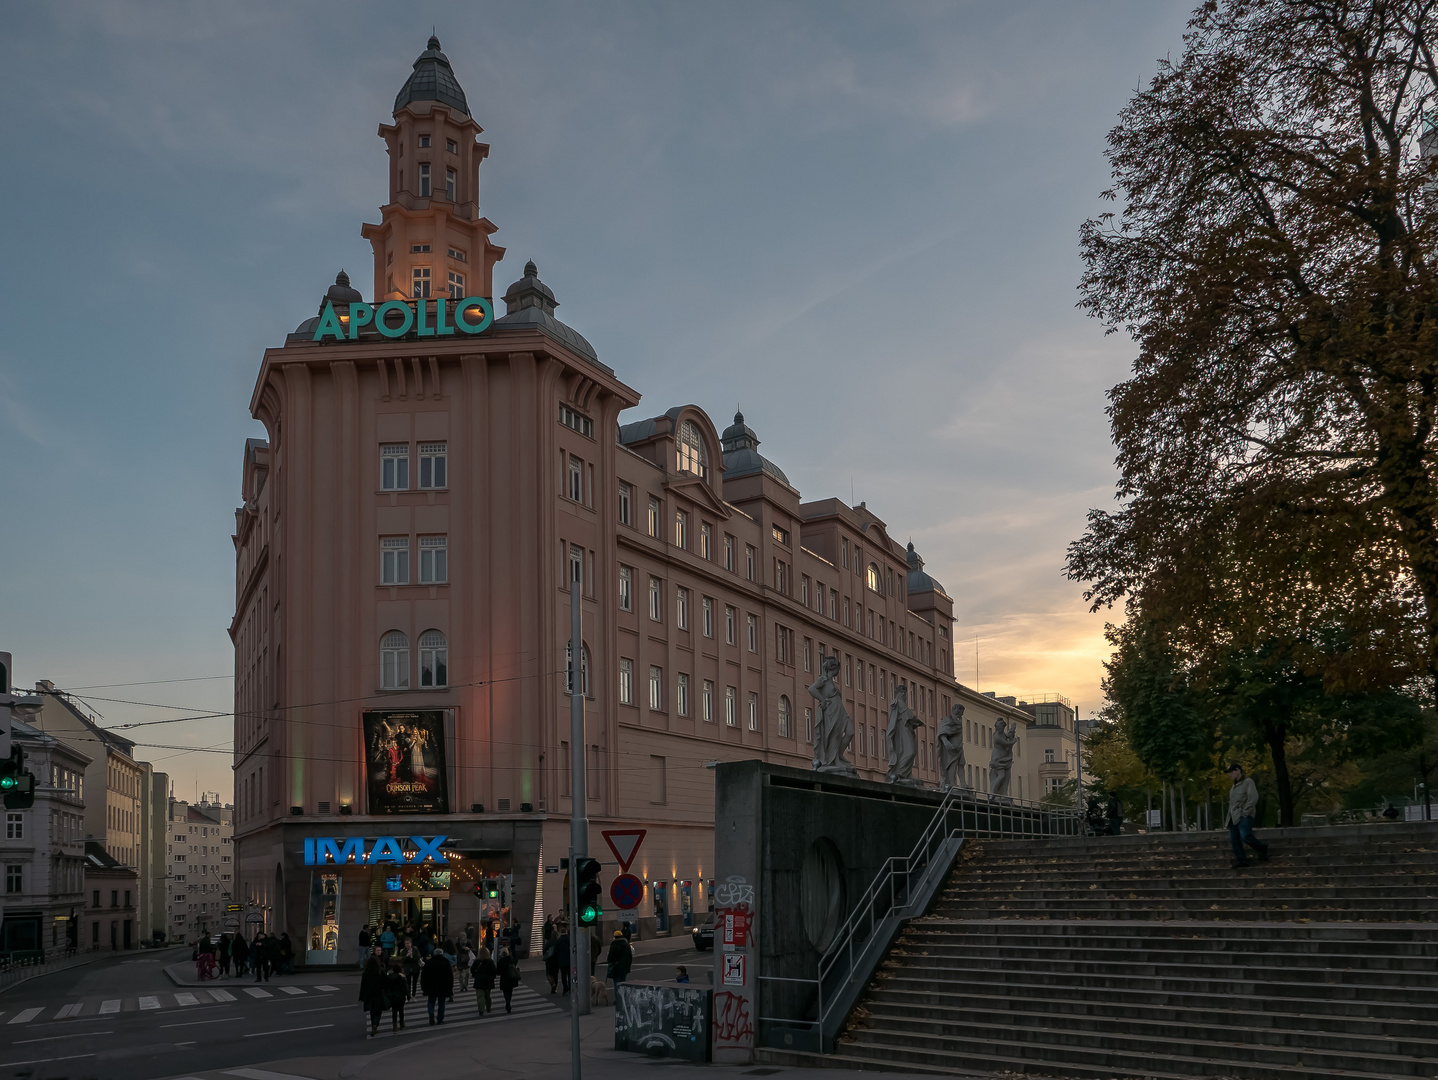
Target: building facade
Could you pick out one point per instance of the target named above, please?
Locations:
(201, 864)
(111, 891)
(43, 849)
(152, 918)
(408, 537)
(1053, 742)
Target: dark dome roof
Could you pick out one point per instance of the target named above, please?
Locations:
(741, 453)
(529, 302)
(432, 80)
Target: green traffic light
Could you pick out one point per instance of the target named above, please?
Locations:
(9, 782)
(589, 914)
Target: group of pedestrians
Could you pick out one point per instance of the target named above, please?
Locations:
(556, 954)
(396, 970)
(265, 955)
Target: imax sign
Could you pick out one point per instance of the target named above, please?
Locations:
(322, 851)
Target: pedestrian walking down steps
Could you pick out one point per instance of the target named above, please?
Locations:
(1242, 805)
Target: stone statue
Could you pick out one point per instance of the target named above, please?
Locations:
(833, 728)
(1001, 759)
(951, 750)
(902, 738)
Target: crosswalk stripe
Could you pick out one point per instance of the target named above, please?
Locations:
(222, 995)
(256, 992)
(329, 988)
(297, 990)
(111, 1006)
(186, 999)
(26, 1016)
(149, 1003)
(68, 1011)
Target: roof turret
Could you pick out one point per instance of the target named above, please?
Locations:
(432, 80)
(741, 453)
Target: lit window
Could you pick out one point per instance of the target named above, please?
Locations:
(626, 681)
(753, 711)
(781, 535)
(656, 688)
(424, 178)
(394, 468)
(706, 541)
(681, 529)
(626, 505)
(433, 461)
(456, 286)
(394, 661)
(433, 560)
(875, 582)
(450, 183)
(420, 278)
(681, 695)
(689, 453)
(394, 560)
(433, 659)
(656, 602)
(653, 517)
(626, 589)
(730, 706)
(784, 716)
(706, 702)
(681, 609)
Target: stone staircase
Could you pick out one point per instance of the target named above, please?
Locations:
(1149, 956)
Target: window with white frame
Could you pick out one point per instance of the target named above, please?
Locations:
(433, 560)
(433, 461)
(626, 681)
(804, 589)
(656, 599)
(626, 589)
(626, 504)
(873, 580)
(681, 609)
(451, 181)
(1048, 757)
(753, 711)
(14, 877)
(689, 453)
(419, 279)
(576, 479)
(706, 541)
(653, 517)
(728, 552)
(784, 720)
(433, 659)
(708, 617)
(681, 695)
(706, 702)
(809, 726)
(394, 467)
(577, 421)
(731, 706)
(394, 560)
(576, 564)
(656, 688)
(456, 285)
(730, 617)
(753, 625)
(749, 561)
(681, 529)
(14, 826)
(808, 654)
(394, 661)
(423, 184)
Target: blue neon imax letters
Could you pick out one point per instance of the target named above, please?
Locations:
(324, 850)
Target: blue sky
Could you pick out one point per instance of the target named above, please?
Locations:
(866, 212)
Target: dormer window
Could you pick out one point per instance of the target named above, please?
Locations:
(689, 452)
(875, 582)
(451, 146)
(424, 180)
(424, 142)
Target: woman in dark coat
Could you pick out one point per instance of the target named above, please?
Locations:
(240, 952)
(437, 983)
(395, 992)
(484, 972)
(551, 963)
(371, 993)
(508, 978)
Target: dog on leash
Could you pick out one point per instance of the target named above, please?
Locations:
(598, 992)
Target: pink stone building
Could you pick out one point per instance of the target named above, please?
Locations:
(408, 537)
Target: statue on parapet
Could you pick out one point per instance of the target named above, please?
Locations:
(833, 728)
(1001, 759)
(903, 739)
(951, 750)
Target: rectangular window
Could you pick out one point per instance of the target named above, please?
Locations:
(14, 826)
(424, 177)
(626, 505)
(781, 576)
(706, 702)
(753, 711)
(834, 604)
(433, 666)
(433, 560)
(846, 611)
(424, 142)
(681, 609)
(451, 181)
(576, 564)
(808, 654)
(708, 617)
(394, 560)
(419, 277)
(576, 479)
(804, 589)
(681, 529)
(753, 633)
(580, 423)
(626, 681)
(14, 878)
(809, 726)
(394, 467)
(729, 620)
(846, 553)
(418, 249)
(656, 688)
(456, 285)
(653, 517)
(681, 695)
(451, 146)
(432, 465)
(656, 599)
(626, 589)
(728, 553)
(731, 706)
(781, 535)
(706, 541)
(749, 562)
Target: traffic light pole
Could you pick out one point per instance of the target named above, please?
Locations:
(578, 825)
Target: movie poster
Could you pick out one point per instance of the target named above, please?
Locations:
(404, 762)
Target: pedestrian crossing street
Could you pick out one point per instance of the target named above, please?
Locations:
(464, 1009)
(181, 999)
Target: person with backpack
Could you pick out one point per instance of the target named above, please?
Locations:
(484, 973)
(508, 978)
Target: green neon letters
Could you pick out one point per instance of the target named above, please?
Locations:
(416, 318)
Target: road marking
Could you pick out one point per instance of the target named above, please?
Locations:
(222, 995)
(327, 1008)
(70, 1035)
(281, 1031)
(192, 1023)
(264, 1074)
(111, 1006)
(190, 999)
(149, 1003)
(331, 989)
(41, 1061)
(297, 990)
(256, 992)
(26, 1016)
(70, 1010)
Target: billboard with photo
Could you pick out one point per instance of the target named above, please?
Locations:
(404, 762)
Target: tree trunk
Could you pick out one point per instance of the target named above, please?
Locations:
(1277, 736)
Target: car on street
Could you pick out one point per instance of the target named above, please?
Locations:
(704, 934)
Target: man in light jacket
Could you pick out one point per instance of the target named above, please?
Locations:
(1242, 805)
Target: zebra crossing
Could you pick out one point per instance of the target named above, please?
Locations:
(464, 1009)
(180, 999)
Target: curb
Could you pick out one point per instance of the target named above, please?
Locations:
(56, 971)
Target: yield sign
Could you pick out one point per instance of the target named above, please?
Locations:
(624, 843)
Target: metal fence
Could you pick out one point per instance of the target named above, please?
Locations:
(19, 967)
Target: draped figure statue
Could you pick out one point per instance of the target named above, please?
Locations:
(903, 738)
(1001, 759)
(833, 728)
(951, 750)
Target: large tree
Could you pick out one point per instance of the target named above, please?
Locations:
(1272, 258)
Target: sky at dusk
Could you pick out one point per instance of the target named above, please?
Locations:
(858, 222)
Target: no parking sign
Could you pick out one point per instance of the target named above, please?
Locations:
(626, 891)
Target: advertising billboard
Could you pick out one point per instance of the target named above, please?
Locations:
(404, 762)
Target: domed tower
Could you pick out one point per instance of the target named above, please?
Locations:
(431, 239)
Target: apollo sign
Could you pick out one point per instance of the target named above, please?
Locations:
(472, 315)
(322, 851)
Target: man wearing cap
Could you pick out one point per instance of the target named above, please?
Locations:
(1242, 805)
(620, 960)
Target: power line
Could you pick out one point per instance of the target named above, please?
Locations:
(150, 682)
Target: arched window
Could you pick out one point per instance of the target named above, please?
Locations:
(433, 659)
(394, 661)
(583, 669)
(876, 583)
(784, 711)
(690, 455)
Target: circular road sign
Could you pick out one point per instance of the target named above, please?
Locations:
(626, 891)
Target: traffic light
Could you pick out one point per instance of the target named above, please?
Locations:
(589, 892)
(17, 784)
